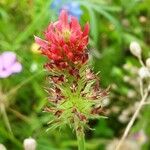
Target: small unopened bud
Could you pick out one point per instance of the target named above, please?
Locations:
(131, 94)
(144, 72)
(148, 62)
(123, 118)
(29, 144)
(2, 147)
(135, 49)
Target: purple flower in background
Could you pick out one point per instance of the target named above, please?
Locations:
(72, 7)
(56, 4)
(9, 64)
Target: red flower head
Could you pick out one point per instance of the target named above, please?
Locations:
(65, 42)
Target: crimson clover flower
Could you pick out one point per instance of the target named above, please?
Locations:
(74, 92)
(9, 64)
(65, 42)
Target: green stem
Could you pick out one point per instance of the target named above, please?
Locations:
(3, 110)
(80, 138)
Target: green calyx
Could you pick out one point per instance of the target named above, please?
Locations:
(75, 97)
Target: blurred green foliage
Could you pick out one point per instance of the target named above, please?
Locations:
(113, 25)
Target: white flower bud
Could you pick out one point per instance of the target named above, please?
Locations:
(135, 49)
(2, 147)
(29, 144)
(148, 62)
(123, 118)
(131, 94)
(144, 72)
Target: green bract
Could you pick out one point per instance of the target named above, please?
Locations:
(74, 97)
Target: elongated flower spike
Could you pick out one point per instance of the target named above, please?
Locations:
(74, 92)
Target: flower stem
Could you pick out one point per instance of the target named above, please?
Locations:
(131, 122)
(5, 117)
(80, 138)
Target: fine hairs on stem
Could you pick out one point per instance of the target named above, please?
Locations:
(144, 95)
(80, 135)
(80, 138)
